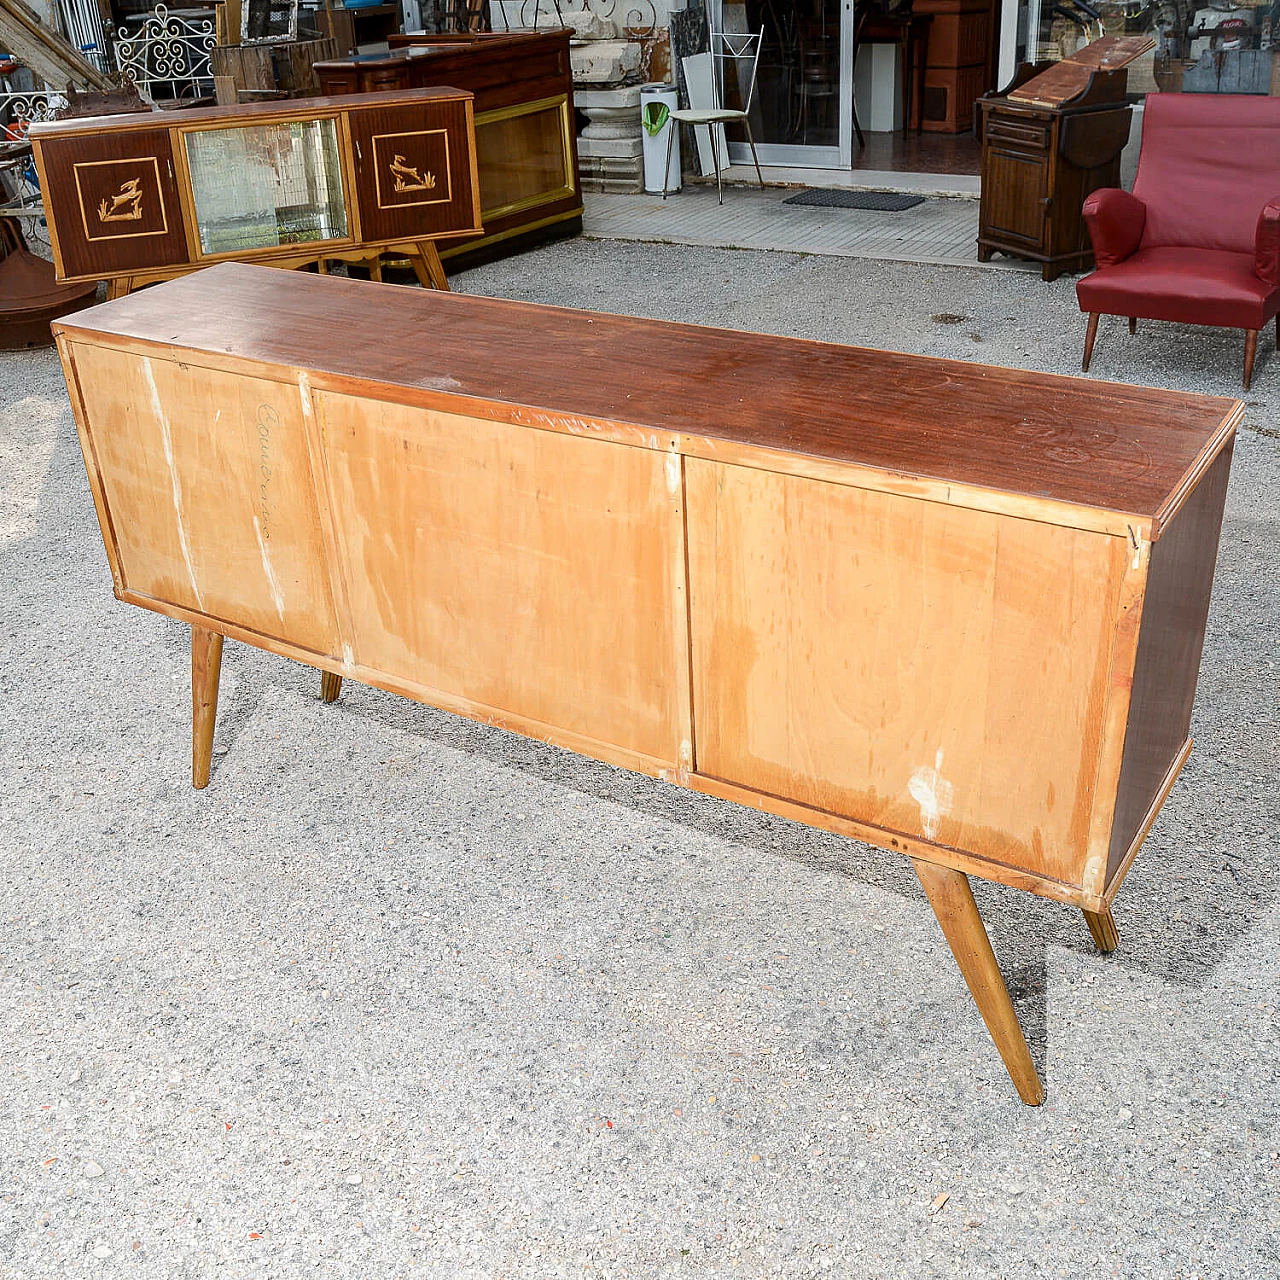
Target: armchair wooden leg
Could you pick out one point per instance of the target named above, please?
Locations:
(1089, 335)
(1250, 350)
(206, 667)
(330, 686)
(1133, 324)
(1102, 925)
(952, 901)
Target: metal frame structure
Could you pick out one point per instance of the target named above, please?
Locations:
(726, 47)
(167, 51)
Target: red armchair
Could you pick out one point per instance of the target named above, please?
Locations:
(1198, 241)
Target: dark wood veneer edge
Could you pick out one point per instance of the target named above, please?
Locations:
(1175, 612)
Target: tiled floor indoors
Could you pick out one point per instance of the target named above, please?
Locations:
(937, 231)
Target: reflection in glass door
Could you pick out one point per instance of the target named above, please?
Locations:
(802, 109)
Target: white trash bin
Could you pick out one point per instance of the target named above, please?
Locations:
(657, 101)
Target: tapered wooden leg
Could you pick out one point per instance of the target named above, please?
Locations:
(435, 268)
(330, 686)
(1133, 324)
(1089, 335)
(952, 901)
(206, 667)
(375, 269)
(1250, 350)
(419, 265)
(1102, 925)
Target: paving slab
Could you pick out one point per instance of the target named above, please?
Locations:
(940, 231)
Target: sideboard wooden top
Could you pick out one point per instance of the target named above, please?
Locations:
(1120, 448)
(244, 113)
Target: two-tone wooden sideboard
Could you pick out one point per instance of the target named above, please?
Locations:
(952, 610)
(136, 198)
(526, 139)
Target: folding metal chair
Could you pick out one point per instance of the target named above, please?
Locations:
(726, 48)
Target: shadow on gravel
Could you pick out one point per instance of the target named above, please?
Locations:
(1206, 875)
(1179, 912)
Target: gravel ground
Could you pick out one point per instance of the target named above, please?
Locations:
(400, 995)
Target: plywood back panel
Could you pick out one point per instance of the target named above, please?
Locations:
(208, 482)
(937, 671)
(531, 572)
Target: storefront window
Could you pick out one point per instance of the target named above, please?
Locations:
(1226, 48)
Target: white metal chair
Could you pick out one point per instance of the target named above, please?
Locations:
(727, 48)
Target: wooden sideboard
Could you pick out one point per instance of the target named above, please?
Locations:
(951, 610)
(142, 197)
(526, 138)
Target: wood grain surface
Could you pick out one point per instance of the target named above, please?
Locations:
(242, 113)
(77, 180)
(521, 570)
(435, 140)
(1097, 445)
(1175, 612)
(937, 671)
(212, 479)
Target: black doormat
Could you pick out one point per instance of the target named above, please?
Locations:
(831, 198)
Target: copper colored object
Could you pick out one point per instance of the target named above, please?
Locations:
(30, 296)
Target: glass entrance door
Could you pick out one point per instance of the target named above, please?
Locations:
(802, 109)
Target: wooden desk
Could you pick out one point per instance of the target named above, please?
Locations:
(951, 610)
(1040, 160)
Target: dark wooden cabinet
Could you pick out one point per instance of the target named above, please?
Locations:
(115, 203)
(138, 198)
(409, 169)
(526, 142)
(1040, 162)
